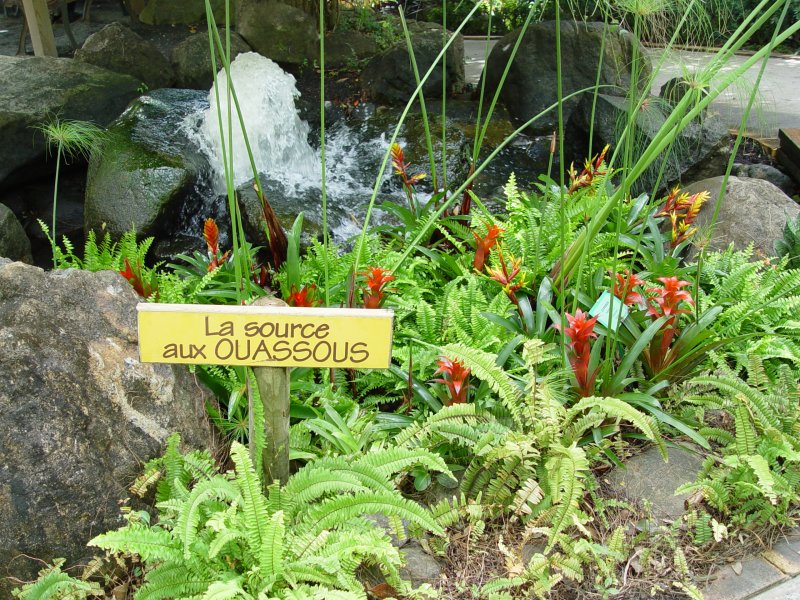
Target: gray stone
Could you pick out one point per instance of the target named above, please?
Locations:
(531, 84)
(647, 477)
(389, 77)
(14, 243)
(36, 89)
(347, 48)
(756, 575)
(697, 144)
(119, 49)
(752, 211)
(768, 173)
(146, 168)
(79, 413)
(420, 567)
(785, 555)
(278, 31)
(173, 12)
(192, 60)
(789, 590)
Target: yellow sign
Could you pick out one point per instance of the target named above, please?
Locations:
(265, 336)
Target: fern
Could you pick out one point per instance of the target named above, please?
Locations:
(54, 584)
(219, 535)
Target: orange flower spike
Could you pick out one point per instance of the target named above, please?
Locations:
(483, 245)
(398, 159)
(135, 280)
(600, 159)
(505, 277)
(211, 235)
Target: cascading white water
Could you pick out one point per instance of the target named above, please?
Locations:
(279, 141)
(278, 137)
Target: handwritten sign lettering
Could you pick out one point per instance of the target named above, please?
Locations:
(265, 336)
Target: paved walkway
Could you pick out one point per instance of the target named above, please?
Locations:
(778, 100)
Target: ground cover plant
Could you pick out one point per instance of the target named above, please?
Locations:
(511, 390)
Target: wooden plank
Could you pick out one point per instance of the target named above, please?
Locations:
(37, 16)
(273, 389)
(790, 144)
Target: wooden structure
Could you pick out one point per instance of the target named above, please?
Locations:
(38, 22)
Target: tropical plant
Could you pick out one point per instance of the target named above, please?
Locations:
(789, 246)
(219, 534)
(54, 584)
(755, 476)
(71, 139)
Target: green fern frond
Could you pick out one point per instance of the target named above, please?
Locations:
(150, 543)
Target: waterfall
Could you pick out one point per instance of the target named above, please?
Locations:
(278, 137)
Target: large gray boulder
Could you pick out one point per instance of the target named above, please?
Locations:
(119, 49)
(753, 211)
(191, 60)
(278, 31)
(348, 48)
(35, 90)
(389, 77)
(700, 149)
(79, 413)
(14, 243)
(531, 84)
(146, 168)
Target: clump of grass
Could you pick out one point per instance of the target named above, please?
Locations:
(71, 140)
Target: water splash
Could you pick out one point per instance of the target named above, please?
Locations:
(278, 136)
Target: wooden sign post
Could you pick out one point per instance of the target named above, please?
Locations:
(270, 337)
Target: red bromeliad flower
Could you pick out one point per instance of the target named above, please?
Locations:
(667, 302)
(682, 210)
(134, 277)
(401, 167)
(483, 245)
(669, 297)
(591, 170)
(305, 297)
(211, 235)
(377, 278)
(623, 288)
(580, 332)
(456, 378)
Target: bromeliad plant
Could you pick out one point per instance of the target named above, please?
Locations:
(580, 333)
(374, 293)
(455, 376)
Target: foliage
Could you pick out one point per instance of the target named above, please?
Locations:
(54, 584)
(755, 479)
(789, 246)
(220, 534)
